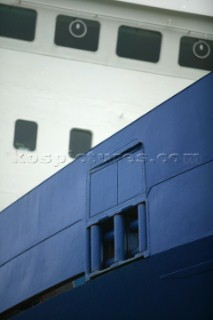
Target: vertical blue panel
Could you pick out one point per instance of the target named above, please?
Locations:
(103, 185)
(131, 180)
(95, 248)
(50, 262)
(142, 233)
(119, 238)
(181, 209)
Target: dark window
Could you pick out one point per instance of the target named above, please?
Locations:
(77, 33)
(138, 44)
(17, 23)
(25, 135)
(80, 142)
(196, 53)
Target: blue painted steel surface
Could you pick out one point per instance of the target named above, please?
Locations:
(45, 236)
(100, 183)
(176, 284)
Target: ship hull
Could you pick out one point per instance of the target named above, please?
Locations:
(176, 284)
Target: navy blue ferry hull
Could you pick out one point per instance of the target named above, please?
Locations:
(133, 217)
(176, 284)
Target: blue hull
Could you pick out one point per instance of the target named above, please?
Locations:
(176, 284)
(133, 216)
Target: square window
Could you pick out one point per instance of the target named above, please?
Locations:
(138, 44)
(25, 135)
(17, 23)
(77, 33)
(196, 53)
(80, 142)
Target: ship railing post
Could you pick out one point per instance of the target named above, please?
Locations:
(95, 248)
(142, 234)
(119, 238)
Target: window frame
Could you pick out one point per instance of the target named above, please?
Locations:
(77, 154)
(190, 60)
(77, 39)
(17, 134)
(34, 23)
(126, 56)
